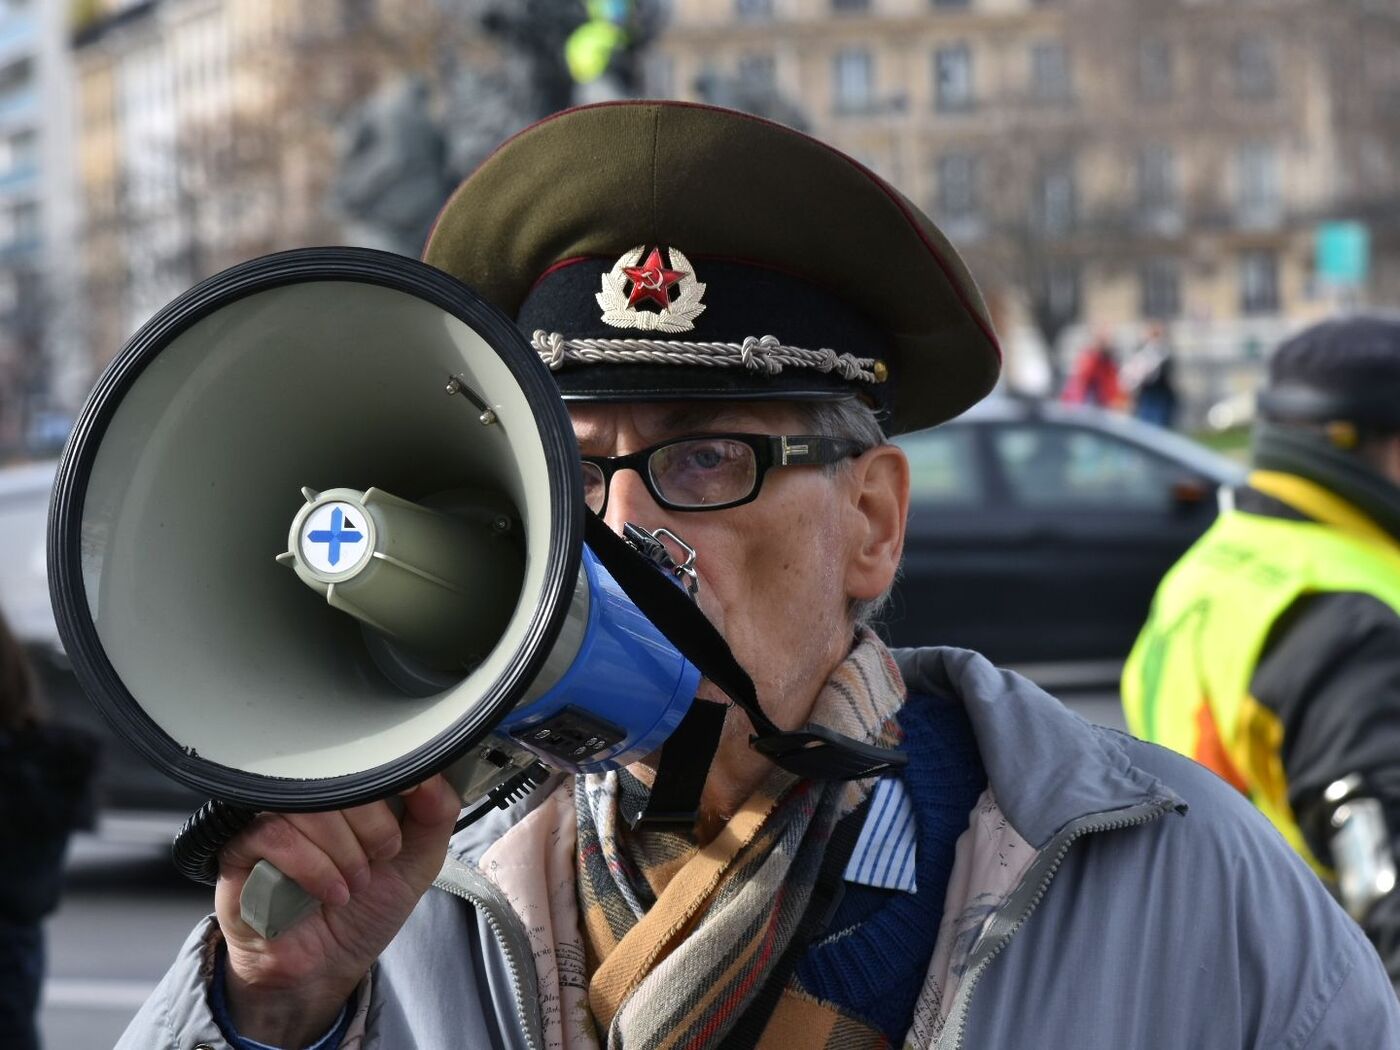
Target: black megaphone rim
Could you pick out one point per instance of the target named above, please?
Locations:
(76, 628)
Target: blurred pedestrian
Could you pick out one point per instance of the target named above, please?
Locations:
(45, 778)
(1147, 377)
(1094, 380)
(1272, 654)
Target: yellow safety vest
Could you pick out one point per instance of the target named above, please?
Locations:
(1186, 684)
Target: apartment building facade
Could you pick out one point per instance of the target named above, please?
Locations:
(194, 148)
(1100, 162)
(37, 224)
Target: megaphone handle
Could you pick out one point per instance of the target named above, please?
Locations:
(272, 903)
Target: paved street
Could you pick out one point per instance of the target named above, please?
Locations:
(124, 914)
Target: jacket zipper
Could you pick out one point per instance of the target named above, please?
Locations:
(1027, 896)
(461, 881)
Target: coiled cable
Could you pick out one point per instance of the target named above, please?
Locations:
(210, 828)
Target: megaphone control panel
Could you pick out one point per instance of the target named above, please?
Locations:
(571, 736)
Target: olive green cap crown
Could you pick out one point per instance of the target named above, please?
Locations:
(741, 195)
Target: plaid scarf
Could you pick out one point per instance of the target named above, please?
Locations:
(681, 939)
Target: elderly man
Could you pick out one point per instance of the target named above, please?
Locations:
(715, 292)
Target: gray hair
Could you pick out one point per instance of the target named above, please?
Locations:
(854, 420)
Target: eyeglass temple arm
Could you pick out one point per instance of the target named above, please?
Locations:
(813, 449)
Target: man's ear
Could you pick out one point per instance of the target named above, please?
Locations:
(880, 506)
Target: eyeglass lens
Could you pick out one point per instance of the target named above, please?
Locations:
(595, 487)
(703, 471)
(696, 472)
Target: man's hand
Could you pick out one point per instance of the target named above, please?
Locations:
(367, 869)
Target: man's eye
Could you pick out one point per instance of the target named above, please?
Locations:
(706, 457)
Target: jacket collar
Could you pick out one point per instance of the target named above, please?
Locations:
(1345, 479)
(1045, 765)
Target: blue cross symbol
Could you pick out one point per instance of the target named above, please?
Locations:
(335, 535)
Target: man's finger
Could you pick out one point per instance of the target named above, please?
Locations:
(275, 839)
(430, 811)
(337, 838)
(376, 826)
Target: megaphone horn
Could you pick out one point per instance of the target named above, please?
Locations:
(434, 607)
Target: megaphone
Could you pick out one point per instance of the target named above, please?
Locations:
(318, 535)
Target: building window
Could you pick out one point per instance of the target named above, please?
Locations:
(951, 3)
(17, 75)
(20, 150)
(1050, 73)
(850, 5)
(1156, 182)
(1259, 282)
(957, 188)
(1161, 288)
(758, 73)
(853, 75)
(952, 78)
(1057, 299)
(753, 8)
(1154, 79)
(1257, 184)
(1254, 67)
(9, 292)
(19, 225)
(1055, 201)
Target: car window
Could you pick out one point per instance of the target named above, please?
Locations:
(1062, 467)
(943, 467)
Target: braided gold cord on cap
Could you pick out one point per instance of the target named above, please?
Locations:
(756, 354)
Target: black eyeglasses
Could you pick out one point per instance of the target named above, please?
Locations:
(711, 471)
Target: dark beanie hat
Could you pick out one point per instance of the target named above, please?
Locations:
(1345, 369)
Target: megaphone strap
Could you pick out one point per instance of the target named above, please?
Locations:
(815, 753)
(674, 799)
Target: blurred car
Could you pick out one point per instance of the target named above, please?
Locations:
(124, 779)
(1038, 533)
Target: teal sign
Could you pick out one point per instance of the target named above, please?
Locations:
(1343, 253)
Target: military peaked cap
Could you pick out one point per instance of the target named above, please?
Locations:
(668, 251)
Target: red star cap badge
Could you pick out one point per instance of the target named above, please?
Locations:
(652, 281)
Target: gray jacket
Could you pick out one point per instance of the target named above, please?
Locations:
(1160, 911)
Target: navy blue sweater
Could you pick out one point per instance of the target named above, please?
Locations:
(872, 961)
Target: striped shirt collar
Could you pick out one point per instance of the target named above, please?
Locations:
(887, 850)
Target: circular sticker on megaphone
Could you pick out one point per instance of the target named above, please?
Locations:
(335, 538)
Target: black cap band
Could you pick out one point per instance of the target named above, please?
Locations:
(742, 304)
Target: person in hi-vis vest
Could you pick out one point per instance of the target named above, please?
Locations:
(1272, 652)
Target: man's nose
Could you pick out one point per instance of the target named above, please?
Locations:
(629, 500)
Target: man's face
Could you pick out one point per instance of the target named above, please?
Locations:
(776, 575)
